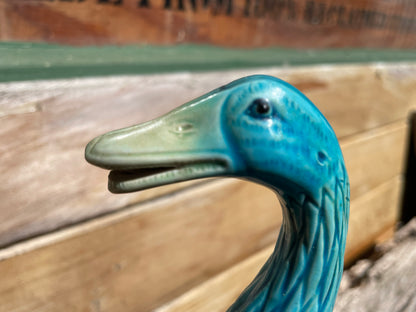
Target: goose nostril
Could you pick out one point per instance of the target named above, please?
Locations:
(321, 157)
(183, 128)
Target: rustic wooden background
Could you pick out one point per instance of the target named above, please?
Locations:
(385, 281)
(243, 23)
(68, 244)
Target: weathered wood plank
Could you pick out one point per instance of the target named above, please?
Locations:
(368, 221)
(141, 259)
(46, 125)
(219, 292)
(379, 151)
(375, 157)
(300, 23)
(387, 284)
(357, 100)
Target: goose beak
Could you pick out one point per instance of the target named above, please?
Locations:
(185, 144)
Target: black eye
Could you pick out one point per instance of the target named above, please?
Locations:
(260, 108)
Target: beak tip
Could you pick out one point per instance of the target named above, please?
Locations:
(90, 152)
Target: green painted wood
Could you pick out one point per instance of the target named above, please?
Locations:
(30, 61)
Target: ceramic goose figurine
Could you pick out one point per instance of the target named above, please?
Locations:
(264, 130)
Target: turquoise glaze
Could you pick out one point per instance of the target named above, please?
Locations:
(264, 130)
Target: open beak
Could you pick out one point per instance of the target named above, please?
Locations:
(187, 143)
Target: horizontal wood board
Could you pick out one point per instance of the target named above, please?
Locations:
(371, 215)
(217, 293)
(49, 185)
(295, 23)
(138, 258)
(375, 156)
(378, 146)
(21, 61)
(125, 263)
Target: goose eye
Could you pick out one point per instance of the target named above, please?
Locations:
(260, 108)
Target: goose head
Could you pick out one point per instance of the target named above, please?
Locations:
(258, 128)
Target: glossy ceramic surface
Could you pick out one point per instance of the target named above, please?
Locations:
(264, 130)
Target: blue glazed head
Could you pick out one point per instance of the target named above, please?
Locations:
(257, 127)
(277, 132)
(262, 129)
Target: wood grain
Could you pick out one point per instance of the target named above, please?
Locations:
(45, 126)
(218, 293)
(375, 156)
(140, 258)
(251, 23)
(367, 221)
(356, 100)
(367, 150)
(387, 284)
(193, 235)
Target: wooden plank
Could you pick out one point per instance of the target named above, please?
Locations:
(137, 260)
(46, 125)
(391, 133)
(375, 157)
(356, 100)
(300, 23)
(219, 292)
(141, 257)
(387, 284)
(369, 221)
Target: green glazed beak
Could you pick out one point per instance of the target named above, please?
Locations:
(185, 144)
